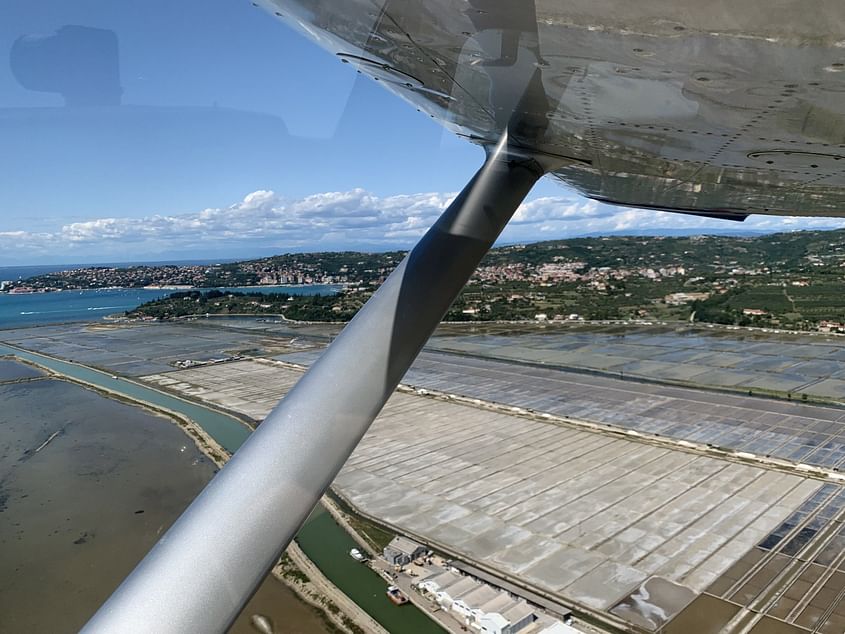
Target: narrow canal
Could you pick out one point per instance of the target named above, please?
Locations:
(322, 540)
(226, 430)
(328, 546)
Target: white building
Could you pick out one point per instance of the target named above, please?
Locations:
(493, 623)
(468, 606)
(518, 617)
(447, 596)
(477, 604)
(431, 585)
(514, 620)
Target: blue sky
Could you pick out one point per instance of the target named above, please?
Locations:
(234, 136)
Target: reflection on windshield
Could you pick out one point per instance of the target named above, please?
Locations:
(189, 132)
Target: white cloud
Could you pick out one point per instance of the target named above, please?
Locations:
(358, 219)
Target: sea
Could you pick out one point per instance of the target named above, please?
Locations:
(65, 306)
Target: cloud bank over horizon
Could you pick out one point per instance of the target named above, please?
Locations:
(265, 222)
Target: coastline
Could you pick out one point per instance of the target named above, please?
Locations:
(166, 287)
(56, 307)
(312, 586)
(294, 569)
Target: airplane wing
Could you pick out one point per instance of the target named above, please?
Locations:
(714, 108)
(729, 108)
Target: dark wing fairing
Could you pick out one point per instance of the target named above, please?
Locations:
(719, 214)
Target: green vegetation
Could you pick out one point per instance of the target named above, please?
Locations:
(296, 307)
(353, 627)
(793, 280)
(291, 571)
(300, 268)
(375, 535)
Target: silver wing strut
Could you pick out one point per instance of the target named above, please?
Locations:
(202, 572)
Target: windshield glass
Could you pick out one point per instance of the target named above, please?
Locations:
(630, 417)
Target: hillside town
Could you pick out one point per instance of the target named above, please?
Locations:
(777, 280)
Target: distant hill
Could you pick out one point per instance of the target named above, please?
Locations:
(794, 280)
(793, 252)
(728, 230)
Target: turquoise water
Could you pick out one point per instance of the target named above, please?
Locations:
(63, 306)
(226, 430)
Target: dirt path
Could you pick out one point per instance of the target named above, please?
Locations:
(332, 593)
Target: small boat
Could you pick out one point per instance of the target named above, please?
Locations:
(396, 595)
(356, 554)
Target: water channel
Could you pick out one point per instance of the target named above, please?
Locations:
(322, 540)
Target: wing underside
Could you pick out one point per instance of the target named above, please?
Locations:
(728, 109)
